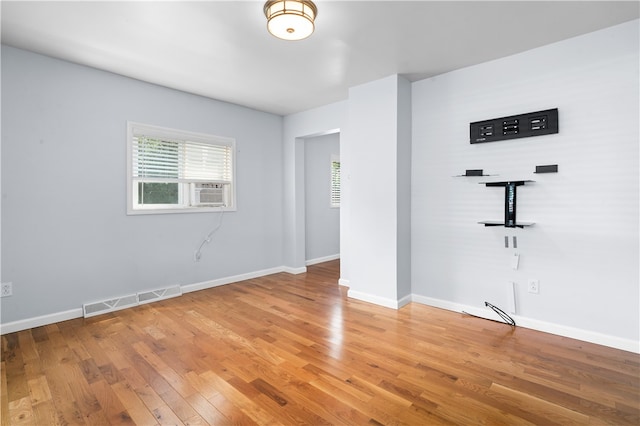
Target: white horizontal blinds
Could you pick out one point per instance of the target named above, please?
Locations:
(155, 159)
(335, 183)
(160, 160)
(206, 162)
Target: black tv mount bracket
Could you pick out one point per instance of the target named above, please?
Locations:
(509, 205)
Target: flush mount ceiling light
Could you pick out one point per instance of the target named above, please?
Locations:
(290, 19)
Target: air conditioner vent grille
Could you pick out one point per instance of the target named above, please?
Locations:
(209, 194)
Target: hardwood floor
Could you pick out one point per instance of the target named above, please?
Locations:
(292, 349)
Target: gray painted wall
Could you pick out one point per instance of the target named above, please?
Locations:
(403, 194)
(66, 238)
(296, 128)
(322, 222)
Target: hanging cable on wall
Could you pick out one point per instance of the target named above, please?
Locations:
(502, 314)
(207, 239)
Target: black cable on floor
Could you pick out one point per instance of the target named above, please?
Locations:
(502, 314)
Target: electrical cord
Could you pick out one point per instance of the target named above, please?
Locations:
(502, 314)
(207, 239)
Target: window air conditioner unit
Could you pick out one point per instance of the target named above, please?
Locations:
(208, 194)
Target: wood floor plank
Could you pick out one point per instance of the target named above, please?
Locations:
(548, 410)
(21, 412)
(14, 369)
(66, 408)
(177, 382)
(294, 349)
(39, 390)
(83, 395)
(240, 400)
(44, 413)
(110, 404)
(137, 410)
(28, 346)
(182, 409)
(165, 416)
(206, 410)
(205, 388)
(4, 395)
(232, 412)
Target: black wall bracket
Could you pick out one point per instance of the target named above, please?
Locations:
(509, 205)
(551, 168)
(515, 126)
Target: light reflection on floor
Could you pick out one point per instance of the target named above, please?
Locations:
(336, 328)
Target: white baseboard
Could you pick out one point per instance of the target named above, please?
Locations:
(294, 271)
(382, 301)
(344, 282)
(322, 259)
(547, 327)
(188, 288)
(377, 300)
(12, 327)
(404, 301)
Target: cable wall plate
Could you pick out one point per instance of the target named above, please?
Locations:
(515, 126)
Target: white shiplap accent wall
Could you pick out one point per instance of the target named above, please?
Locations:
(584, 246)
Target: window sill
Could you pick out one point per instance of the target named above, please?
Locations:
(182, 210)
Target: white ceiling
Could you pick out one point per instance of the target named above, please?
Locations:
(221, 49)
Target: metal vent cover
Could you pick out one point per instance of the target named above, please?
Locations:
(117, 303)
(159, 294)
(110, 305)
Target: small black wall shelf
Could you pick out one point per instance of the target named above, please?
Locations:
(509, 205)
(551, 168)
(473, 173)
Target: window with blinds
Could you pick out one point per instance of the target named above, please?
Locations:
(335, 181)
(177, 171)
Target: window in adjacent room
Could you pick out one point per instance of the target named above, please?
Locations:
(175, 171)
(335, 181)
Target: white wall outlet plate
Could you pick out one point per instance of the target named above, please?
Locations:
(6, 290)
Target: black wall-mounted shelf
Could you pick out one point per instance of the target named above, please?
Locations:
(473, 173)
(499, 223)
(510, 193)
(551, 168)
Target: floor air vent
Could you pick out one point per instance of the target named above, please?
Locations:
(163, 293)
(102, 307)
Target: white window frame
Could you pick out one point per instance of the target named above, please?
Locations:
(332, 203)
(165, 133)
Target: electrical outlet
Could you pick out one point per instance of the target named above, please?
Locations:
(6, 290)
(534, 286)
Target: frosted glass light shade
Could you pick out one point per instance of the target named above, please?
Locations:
(290, 19)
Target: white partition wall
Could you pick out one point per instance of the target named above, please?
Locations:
(377, 172)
